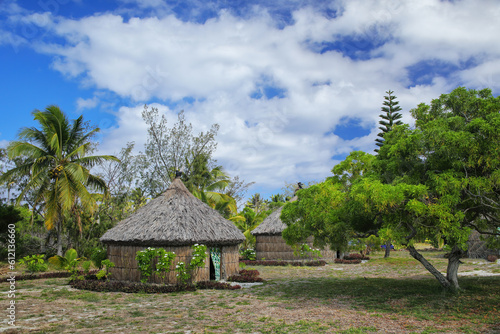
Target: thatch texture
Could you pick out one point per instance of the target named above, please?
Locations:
(175, 221)
(174, 218)
(272, 224)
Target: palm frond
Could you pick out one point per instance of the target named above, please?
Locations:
(20, 148)
(94, 160)
(97, 183)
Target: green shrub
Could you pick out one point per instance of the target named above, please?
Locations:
(104, 273)
(248, 254)
(97, 255)
(34, 263)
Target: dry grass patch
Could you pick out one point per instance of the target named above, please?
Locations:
(381, 296)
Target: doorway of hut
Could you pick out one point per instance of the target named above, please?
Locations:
(215, 263)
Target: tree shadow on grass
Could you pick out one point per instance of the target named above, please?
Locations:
(425, 298)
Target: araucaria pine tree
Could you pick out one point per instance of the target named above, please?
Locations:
(390, 118)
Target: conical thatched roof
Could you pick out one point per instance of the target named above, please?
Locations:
(174, 218)
(272, 224)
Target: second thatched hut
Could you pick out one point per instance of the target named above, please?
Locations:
(270, 245)
(175, 221)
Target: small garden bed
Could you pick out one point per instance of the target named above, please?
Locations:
(132, 287)
(353, 258)
(93, 283)
(246, 276)
(52, 274)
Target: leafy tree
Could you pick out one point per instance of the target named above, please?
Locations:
(30, 231)
(390, 118)
(237, 189)
(329, 212)
(121, 177)
(440, 179)
(453, 151)
(58, 165)
(124, 195)
(172, 149)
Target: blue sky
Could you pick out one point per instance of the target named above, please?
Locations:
(294, 85)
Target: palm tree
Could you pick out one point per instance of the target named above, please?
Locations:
(58, 166)
(246, 221)
(209, 184)
(256, 203)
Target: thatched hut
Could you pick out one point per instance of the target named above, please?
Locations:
(270, 245)
(478, 248)
(175, 221)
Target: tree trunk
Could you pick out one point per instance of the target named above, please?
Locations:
(59, 238)
(440, 277)
(453, 263)
(387, 249)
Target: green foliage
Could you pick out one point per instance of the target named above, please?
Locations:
(247, 220)
(160, 261)
(69, 262)
(98, 255)
(104, 273)
(145, 262)
(164, 261)
(438, 180)
(182, 273)
(57, 162)
(171, 149)
(390, 118)
(27, 231)
(248, 254)
(305, 251)
(86, 266)
(199, 256)
(327, 212)
(34, 263)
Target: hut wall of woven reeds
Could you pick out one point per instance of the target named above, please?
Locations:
(274, 247)
(175, 221)
(270, 245)
(126, 266)
(477, 248)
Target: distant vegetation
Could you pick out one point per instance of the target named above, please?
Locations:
(435, 181)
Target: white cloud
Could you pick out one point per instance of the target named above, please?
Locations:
(221, 62)
(82, 104)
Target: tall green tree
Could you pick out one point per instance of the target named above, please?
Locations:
(171, 149)
(390, 118)
(58, 163)
(328, 211)
(440, 178)
(453, 151)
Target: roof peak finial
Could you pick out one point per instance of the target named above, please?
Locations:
(178, 174)
(299, 186)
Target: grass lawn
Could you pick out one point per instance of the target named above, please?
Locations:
(394, 295)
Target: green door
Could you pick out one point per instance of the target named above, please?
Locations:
(215, 256)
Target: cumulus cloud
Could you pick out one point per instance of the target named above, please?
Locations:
(82, 104)
(278, 91)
